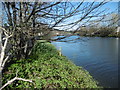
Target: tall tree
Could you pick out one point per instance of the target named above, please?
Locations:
(0, 42)
(26, 19)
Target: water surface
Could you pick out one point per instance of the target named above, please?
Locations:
(97, 55)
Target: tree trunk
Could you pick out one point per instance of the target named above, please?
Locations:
(0, 57)
(0, 77)
(20, 16)
(14, 13)
(0, 44)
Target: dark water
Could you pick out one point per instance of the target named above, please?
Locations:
(97, 55)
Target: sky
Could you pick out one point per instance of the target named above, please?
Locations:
(112, 6)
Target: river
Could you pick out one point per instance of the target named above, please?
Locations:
(97, 55)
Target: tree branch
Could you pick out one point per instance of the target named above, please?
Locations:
(14, 79)
(3, 64)
(3, 47)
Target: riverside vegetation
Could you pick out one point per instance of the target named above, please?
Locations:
(48, 69)
(99, 32)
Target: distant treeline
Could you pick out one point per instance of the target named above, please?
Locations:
(101, 32)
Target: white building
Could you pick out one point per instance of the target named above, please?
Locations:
(118, 29)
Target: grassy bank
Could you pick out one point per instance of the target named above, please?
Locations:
(48, 69)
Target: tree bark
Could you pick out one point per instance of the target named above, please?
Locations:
(0, 43)
(14, 13)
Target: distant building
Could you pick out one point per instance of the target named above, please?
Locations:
(118, 29)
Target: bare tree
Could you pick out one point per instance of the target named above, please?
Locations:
(26, 19)
(0, 44)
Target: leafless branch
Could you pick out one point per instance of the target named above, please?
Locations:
(14, 79)
(3, 47)
(5, 60)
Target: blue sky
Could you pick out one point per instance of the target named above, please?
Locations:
(112, 6)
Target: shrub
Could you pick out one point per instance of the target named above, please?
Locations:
(48, 70)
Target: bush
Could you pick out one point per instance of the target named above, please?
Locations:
(48, 70)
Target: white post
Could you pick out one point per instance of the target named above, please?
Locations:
(60, 49)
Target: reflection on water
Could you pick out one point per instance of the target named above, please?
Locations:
(98, 55)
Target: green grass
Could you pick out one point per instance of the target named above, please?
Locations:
(48, 70)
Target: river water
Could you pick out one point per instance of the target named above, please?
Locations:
(97, 55)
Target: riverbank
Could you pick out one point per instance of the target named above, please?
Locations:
(99, 32)
(48, 69)
(112, 36)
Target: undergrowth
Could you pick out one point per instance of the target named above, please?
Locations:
(48, 69)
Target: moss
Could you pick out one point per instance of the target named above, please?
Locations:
(48, 70)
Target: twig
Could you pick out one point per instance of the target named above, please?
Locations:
(7, 37)
(3, 64)
(12, 80)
